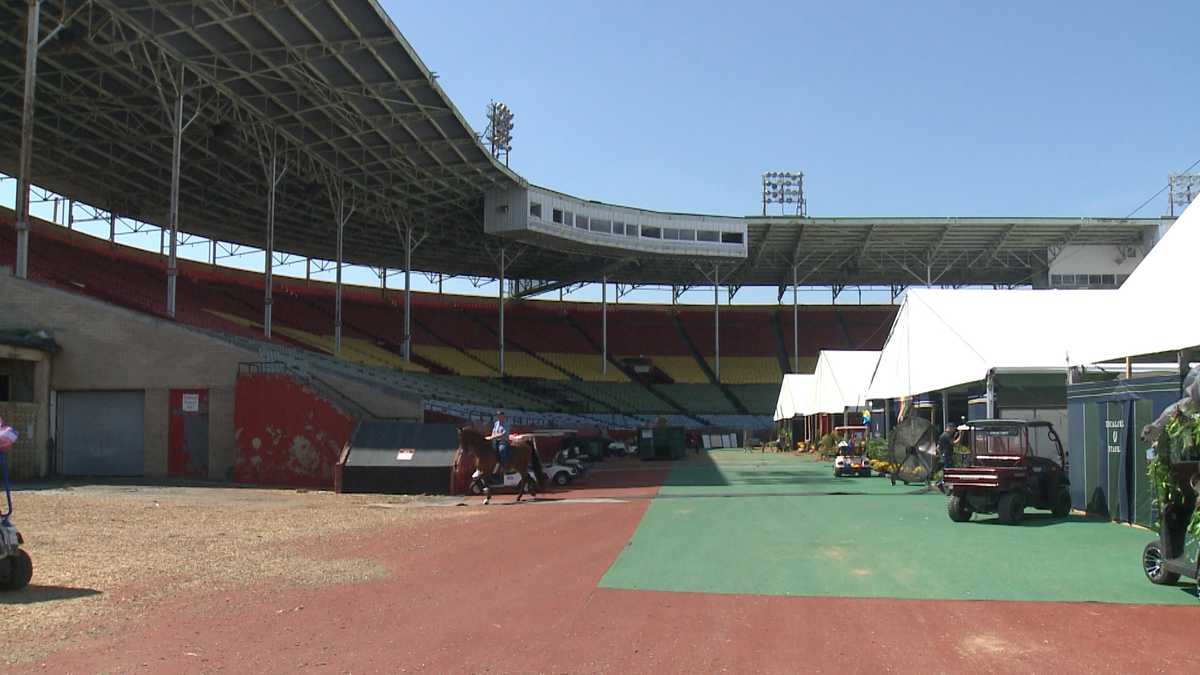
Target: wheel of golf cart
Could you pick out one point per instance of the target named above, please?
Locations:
(837, 473)
(20, 571)
(561, 478)
(1062, 503)
(475, 488)
(1154, 564)
(958, 508)
(1011, 508)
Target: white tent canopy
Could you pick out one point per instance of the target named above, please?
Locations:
(841, 380)
(795, 396)
(943, 338)
(1154, 311)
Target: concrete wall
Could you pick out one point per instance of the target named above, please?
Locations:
(110, 348)
(1089, 259)
(29, 409)
(105, 347)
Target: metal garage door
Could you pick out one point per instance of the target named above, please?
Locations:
(100, 433)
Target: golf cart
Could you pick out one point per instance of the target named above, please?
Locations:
(16, 567)
(1166, 559)
(1017, 464)
(851, 459)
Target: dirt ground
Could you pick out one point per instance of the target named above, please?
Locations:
(170, 580)
(104, 555)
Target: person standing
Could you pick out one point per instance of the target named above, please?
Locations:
(499, 439)
(946, 443)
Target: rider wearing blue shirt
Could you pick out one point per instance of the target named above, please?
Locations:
(499, 439)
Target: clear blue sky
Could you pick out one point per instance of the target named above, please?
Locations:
(947, 108)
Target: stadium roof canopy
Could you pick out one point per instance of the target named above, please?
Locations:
(339, 91)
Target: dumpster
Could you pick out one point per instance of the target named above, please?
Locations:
(662, 443)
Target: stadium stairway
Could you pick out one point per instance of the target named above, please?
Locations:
(780, 342)
(674, 406)
(708, 371)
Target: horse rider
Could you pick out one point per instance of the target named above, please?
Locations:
(499, 439)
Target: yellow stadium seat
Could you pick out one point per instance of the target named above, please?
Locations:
(455, 360)
(586, 367)
(518, 364)
(682, 369)
(747, 369)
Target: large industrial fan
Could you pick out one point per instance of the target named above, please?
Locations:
(913, 449)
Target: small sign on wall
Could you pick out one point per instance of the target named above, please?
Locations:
(191, 403)
(404, 455)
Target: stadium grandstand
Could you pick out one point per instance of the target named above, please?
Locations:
(311, 129)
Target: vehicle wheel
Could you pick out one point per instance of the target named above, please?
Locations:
(562, 478)
(958, 508)
(837, 473)
(1062, 503)
(20, 571)
(1011, 508)
(475, 488)
(1154, 564)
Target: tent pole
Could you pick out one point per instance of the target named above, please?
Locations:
(945, 407)
(991, 394)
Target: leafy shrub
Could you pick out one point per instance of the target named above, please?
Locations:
(877, 448)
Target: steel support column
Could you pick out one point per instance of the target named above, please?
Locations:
(173, 214)
(273, 174)
(407, 240)
(717, 321)
(112, 227)
(343, 207)
(604, 324)
(795, 321)
(500, 300)
(408, 303)
(32, 33)
(945, 408)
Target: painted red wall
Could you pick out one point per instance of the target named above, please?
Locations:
(285, 433)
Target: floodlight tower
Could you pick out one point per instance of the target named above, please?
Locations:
(785, 188)
(1183, 189)
(499, 130)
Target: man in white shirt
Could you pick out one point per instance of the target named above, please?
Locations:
(499, 439)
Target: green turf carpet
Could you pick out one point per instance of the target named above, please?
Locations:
(888, 543)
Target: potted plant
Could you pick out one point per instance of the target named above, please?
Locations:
(1174, 467)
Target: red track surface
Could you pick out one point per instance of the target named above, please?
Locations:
(517, 592)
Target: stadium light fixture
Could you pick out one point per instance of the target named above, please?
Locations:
(499, 129)
(1183, 189)
(785, 188)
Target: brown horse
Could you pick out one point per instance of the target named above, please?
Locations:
(522, 458)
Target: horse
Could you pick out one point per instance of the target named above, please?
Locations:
(522, 457)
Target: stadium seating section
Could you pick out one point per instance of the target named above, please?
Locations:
(552, 360)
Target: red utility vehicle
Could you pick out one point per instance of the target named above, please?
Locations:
(1017, 464)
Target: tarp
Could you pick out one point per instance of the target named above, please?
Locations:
(841, 380)
(795, 394)
(944, 338)
(1154, 309)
